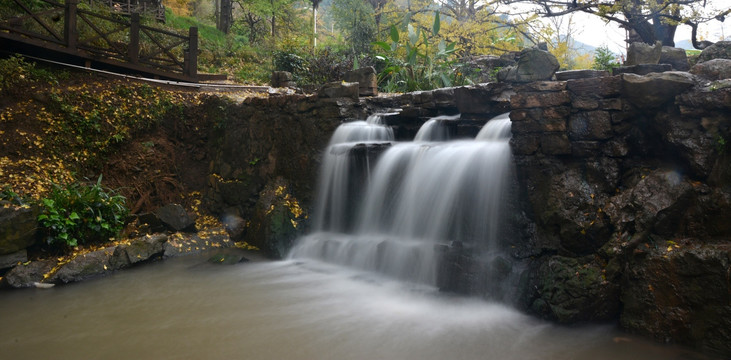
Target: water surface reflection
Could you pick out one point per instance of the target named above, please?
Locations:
(187, 309)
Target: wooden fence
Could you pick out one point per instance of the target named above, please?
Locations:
(103, 35)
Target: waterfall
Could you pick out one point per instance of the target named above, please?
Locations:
(435, 129)
(372, 129)
(386, 212)
(344, 171)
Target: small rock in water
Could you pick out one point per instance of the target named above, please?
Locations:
(229, 257)
(40, 285)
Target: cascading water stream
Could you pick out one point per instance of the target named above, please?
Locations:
(434, 129)
(341, 184)
(418, 194)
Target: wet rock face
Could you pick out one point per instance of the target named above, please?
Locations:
(571, 290)
(680, 295)
(652, 205)
(626, 183)
(17, 228)
(277, 220)
(573, 207)
(266, 138)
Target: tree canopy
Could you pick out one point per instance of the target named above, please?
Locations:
(646, 20)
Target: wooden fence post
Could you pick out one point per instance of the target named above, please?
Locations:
(133, 50)
(70, 32)
(191, 65)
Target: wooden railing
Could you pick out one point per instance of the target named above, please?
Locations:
(103, 36)
(129, 7)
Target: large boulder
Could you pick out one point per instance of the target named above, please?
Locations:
(85, 266)
(535, 65)
(716, 69)
(719, 50)
(175, 217)
(675, 57)
(652, 204)
(138, 250)
(655, 89)
(641, 53)
(17, 227)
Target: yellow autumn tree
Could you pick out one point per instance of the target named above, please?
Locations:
(477, 27)
(559, 34)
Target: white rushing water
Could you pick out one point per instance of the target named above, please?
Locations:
(435, 129)
(372, 129)
(418, 194)
(340, 182)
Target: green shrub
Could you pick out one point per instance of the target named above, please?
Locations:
(604, 59)
(16, 74)
(77, 214)
(288, 60)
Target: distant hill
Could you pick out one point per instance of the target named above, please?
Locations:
(684, 44)
(584, 48)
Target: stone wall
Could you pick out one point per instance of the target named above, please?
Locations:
(625, 179)
(265, 155)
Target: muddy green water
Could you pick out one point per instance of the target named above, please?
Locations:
(187, 309)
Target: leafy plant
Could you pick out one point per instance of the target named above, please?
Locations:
(290, 61)
(721, 144)
(82, 214)
(417, 64)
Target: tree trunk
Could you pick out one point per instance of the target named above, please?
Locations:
(224, 14)
(274, 21)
